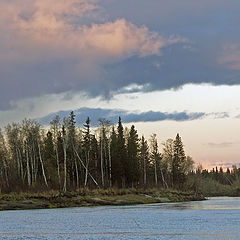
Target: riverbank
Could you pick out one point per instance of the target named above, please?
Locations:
(84, 197)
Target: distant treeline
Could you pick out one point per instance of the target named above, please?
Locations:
(66, 157)
(215, 182)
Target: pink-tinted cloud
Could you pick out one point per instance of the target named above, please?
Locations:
(38, 27)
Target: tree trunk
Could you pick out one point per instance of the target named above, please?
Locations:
(163, 179)
(28, 168)
(76, 169)
(102, 173)
(155, 172)
(43, 171)
(86, 168)
(65, 165)
(58, 167)
(144, 172)
(110, 165)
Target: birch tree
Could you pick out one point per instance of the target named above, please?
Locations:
(4, 164)
(55, 129)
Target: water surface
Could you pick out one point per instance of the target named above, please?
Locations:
(216, 218)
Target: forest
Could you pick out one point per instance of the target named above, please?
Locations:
(66, 157)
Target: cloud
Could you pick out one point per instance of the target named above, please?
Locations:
(45, 48)
(59, 46)
(219, 115)
(222, 144)
(225, 164)
(127, 117)
(44, 30)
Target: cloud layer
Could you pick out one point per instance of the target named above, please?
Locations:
(127, 117)
(46, 49)
(57, 46)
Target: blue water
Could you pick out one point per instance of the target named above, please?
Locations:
(216, 218)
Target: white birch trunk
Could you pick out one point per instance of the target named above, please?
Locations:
(28, 168)
(86, 168)
(110, 164)
(102, 173)
(43, 171)
(65, 165)
(155, 171)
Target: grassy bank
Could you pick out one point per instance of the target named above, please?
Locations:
(212, 188)
(85, 197)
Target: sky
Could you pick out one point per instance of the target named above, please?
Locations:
(167, 66)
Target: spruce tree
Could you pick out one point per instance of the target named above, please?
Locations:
(86, 148)
(132, 165)
(179, 159)
(121, 154)
(133, 157)
(72, 162)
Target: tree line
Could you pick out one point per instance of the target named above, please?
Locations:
(215, 182)
(67, 157)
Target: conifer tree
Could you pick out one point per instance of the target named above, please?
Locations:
(121, 154)
(179, 159)
(72, 159)
(132, 165)
(86, 148)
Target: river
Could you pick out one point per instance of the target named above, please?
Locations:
(216, 218)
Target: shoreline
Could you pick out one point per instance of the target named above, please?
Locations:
(82, 198)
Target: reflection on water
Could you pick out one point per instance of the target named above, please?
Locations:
(224, 203)
(217, 218)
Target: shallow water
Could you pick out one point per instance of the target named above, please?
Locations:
(216, 218)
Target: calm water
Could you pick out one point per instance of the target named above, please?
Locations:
(217, 218)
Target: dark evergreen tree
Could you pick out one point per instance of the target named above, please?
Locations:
(179, 159)
(121, 159)
(86, 148)
(132, 165)
(73, 166)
